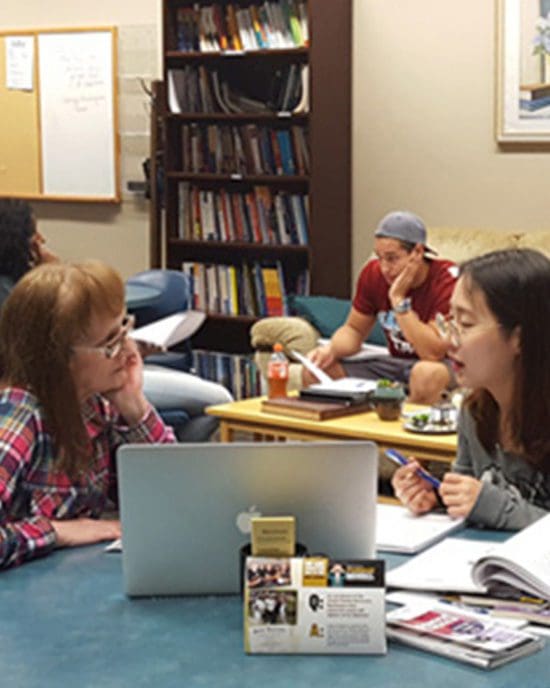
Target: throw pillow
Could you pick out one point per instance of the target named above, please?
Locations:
(292, 333)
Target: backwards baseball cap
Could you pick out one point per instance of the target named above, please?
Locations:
(403, 226)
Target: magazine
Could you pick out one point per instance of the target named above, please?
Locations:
(170, 330)
(511, 569)
(522, 563)
(459, 634)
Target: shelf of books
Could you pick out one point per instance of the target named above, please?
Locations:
(237, 372)
(248, 192)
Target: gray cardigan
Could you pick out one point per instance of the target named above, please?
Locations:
(513, 494)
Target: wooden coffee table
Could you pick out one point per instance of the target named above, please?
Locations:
(246, 416)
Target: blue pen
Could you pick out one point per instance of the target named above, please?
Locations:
(400, 460)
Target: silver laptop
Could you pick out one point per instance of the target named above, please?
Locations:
(186, 508)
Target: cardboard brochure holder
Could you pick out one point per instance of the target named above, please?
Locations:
(314, 605)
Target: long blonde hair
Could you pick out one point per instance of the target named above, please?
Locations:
(48, 312)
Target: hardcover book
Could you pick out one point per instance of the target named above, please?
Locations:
(311, 410)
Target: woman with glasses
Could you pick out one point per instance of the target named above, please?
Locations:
(70, 394)
(498, 339)
(22, 247)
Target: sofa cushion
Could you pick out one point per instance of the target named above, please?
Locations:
(465, 243)
(328, 313)
(539, 240)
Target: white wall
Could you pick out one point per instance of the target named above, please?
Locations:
(424, 92)
(424, 136)
(117, 234)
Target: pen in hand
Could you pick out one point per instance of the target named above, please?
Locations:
(400, 460)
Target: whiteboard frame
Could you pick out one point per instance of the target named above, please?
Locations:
(115, 197)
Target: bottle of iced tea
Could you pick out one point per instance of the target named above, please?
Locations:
(277, 373)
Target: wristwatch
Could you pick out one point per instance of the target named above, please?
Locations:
(404, 306)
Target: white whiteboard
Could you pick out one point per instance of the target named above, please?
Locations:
(77, 114)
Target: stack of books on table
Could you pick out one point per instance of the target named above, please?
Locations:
(328, 399)
(511, 579)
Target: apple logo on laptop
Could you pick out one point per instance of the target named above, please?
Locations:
(243, 520)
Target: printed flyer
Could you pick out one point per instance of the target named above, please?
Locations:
(314, 605)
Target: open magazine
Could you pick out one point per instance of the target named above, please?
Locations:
(511, 569)
(522, 563)
(168, 331)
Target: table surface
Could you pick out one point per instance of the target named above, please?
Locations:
(66, 622)
(359, 426)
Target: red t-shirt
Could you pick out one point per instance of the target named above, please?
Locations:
(430, 298)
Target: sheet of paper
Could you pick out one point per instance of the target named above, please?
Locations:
(398, 530)
(19, 62)
(365, 352)
(313, 369)
(445, 567)
(170, 330)
(114, 546)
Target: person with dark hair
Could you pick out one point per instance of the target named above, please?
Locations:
(497, 338)
(21, 244)
(71, 393)
(404, 288)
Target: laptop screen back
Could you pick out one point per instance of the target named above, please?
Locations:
(184, 507)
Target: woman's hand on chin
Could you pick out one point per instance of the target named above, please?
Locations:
(128, 398)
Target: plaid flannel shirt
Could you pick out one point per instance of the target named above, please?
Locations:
(32, 492)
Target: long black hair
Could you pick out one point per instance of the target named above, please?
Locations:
(17, 226)
(516, 287)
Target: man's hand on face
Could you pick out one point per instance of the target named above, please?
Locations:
(405, 280)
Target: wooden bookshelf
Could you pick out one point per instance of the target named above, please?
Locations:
(325, 126)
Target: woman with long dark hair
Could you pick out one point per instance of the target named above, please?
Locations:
(499, 343)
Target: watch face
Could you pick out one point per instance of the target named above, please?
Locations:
(403, 306)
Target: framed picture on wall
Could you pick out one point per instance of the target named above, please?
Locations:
(523, 70)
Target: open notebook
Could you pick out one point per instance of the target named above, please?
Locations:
(329, 386)
(398, 530)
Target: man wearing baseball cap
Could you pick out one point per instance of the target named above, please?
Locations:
(404, 288)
